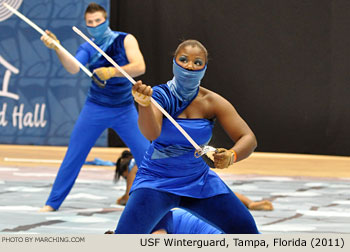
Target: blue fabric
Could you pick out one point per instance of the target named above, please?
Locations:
(164, 97)
(98, 161)
(99, 32)
(117, 92)
(185, 83)
(165, 182)
(166, 223)
(179, 221)
(103, 37)
(186, 223)
(147, 207)
(92, 121)
(169, 164)
(131, 164)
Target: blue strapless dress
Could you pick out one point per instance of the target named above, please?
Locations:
(170, 165)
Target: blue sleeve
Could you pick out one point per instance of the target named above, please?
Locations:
(205, 228)
(83, 53)
(166, 99)
(131, 164)
(161, 96)
(186, 223)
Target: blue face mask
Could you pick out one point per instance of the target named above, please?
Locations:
(98, 31)
(185, 83)
(103, 36)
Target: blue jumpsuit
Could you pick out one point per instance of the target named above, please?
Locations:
(170, 176)
(110, 107)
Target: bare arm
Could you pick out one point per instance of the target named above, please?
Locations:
(245, 200)
(160, 231)
(150, 118)
(68, 63)
(130, 179)
(136, 66)
(236, 128)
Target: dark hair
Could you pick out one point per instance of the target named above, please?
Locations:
(94, 7)
(193, 43)
(122, 164)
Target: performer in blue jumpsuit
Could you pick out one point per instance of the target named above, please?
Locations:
(109, 107)
(170, 175)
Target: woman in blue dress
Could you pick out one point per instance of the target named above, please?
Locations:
(170, 176)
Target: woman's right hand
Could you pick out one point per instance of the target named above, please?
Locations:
(142, 93)
(223, 158)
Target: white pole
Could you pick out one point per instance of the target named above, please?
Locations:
(38, 29)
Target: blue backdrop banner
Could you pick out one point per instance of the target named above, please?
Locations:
(39, 100)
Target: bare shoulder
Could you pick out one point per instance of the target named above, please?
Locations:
(214, 104)
(130, 40)
(133, 52)
(213, 98)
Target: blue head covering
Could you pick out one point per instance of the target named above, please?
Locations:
(185, 83)
(102, 36)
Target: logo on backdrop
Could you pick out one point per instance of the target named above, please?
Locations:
(5, 82)
(19, 118)
(6, 13)
(39, 100)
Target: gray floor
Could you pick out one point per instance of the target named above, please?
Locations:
(302, 205)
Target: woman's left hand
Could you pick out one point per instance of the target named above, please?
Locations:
(223, 158)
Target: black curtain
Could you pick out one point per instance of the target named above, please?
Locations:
(283, 64)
